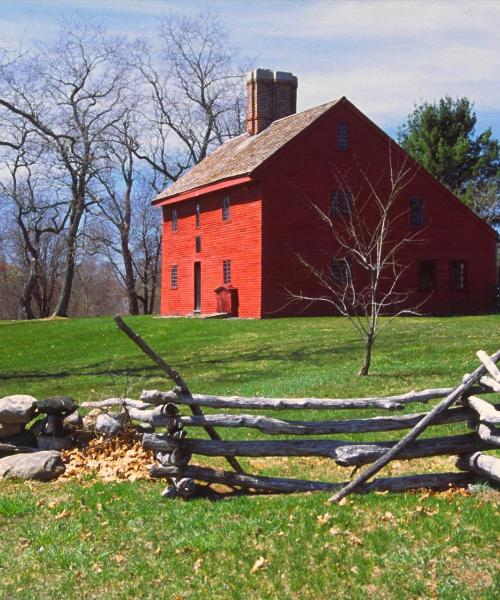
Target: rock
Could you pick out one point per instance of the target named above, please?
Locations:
(52, 442)
(24, 438)
(17, 409)
(90, 418)
(108, 425)
(42, 466)
(73, 422)
(8, 429)
(58, 405)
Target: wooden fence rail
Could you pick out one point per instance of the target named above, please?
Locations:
(174, 450)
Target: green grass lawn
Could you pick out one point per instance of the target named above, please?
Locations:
(121, 540)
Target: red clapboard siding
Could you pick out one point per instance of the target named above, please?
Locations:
(272, 220)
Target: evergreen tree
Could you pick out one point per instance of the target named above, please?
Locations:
(442, 137)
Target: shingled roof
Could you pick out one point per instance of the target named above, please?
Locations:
(243, 154)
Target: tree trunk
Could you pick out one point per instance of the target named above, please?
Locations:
(69, 271)
(368, 356)
(133, 304)
(25, 310)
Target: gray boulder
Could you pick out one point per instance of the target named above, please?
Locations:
(18, 408)
(107, 425)
(41, 466)
(72, 422)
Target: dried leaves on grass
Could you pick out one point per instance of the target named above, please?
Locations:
(117, 459)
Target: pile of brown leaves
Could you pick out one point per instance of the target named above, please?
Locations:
(117, 459)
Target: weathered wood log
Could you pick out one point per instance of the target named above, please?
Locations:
(433, 481)
(480, 463)
(110, 402)
(389, 402)
(486, 412)
(271, 425)
(398, 449)
(490, 383)
(489, 365)
(489, 434)
(175, 377)
(344, 452)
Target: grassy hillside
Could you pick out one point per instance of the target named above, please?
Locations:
(116, 540)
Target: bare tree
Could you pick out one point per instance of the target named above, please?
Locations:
(70, 94)
(362, 281)
(195, 93)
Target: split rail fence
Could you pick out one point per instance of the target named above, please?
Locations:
(463, 403)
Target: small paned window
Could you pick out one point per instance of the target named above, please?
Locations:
(226, 208)
(197, 212)
(427, 275)
(197, 240)
(416, 212)
(457, 275)
(340, 203)
(174, 220)
(227, 271)
(341, 269)
(173, 277)
(342, 136)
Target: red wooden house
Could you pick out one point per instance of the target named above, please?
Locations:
(233, 225)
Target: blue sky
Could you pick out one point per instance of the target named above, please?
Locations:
(383, 55)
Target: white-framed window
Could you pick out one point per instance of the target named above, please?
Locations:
(226, 208)
(173, 277)
(197, 212)
(174, 220)
(226, 271)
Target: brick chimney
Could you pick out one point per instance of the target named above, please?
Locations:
(271, 96)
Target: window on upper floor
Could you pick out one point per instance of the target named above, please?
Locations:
(174, 219)
(197, 241)
(340, 203)
(342, 136)
(197, 212)
(173, 277)
(226, 271)
(341, 269)
(458, 274)
(416, 212)
(427, 276)
(226, 208)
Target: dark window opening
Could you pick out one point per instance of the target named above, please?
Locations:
(198, 243)
(427, 275)
(197, 215)
(416, 212)
(457, 275)
(226, 208)
(341, 269)
(227, 271)
(174, 220)
(173, 277)
(342, 137)
(340, 203)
